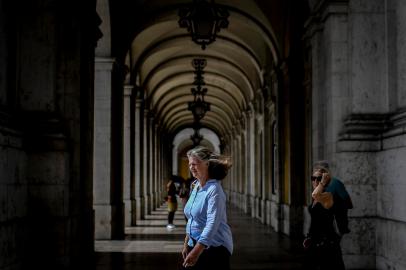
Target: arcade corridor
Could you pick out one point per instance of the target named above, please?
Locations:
(150, 246)
(100, 100)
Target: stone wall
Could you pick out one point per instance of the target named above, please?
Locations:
(359, 121)
(391, 204)
(46, 82)
(13, 198)
(13, 183)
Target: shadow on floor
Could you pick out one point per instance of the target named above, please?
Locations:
(151, 246)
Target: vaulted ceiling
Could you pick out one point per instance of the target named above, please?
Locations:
(160, 54)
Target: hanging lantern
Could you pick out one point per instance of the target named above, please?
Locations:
(198, 106)
(203, 21)
(196, 138)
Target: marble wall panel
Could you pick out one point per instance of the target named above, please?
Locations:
(358, 172)
(3, 58)
(391, 175)
(400, 55)
(3, 203)
(103, 216)
(356, 168)
(364, 200)
(368, 62)
(48, 200)
(366, 6)
(16, 201)
(7, 245)
(48, 168)
(37, 89)
(391, 244)
(394, 142)
(361, 240)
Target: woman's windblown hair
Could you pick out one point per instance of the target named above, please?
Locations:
(218, 164)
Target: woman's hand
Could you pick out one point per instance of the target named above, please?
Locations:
(325, 179)
(193, 256)
(185, 251)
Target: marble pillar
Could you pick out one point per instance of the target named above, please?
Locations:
(128, 190)
(146, 163)
(138, 157)
(152, 163)
(102, 171)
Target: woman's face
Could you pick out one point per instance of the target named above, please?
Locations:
(316, 178)
(199, 168)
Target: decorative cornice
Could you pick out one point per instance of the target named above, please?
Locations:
(324, 8)
(373, 127)
(365, 127)
(320, 11)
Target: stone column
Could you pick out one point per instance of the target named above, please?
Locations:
(138, 157)
(145, 170)
(349, 98)
(243, 161)
(252, 163)
(157, 199)
(152, 164)
(128, 190)
(247, 192)
(46, 134)
(259, 179)
(233, 174)
(102, 171)
(239, 161)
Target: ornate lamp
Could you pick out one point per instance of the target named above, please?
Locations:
(196, 138)
(203, 20)
(198, 106)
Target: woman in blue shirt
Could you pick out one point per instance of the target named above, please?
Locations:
(208, 242)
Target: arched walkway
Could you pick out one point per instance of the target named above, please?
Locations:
(150, 246)
(93, 93)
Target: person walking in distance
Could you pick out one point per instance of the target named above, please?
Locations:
(172, 203)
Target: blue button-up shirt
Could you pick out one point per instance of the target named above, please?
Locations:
(207, 217)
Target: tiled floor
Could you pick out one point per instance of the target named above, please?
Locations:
(151, 246)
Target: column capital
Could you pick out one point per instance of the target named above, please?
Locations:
(138, 103)
(242, 121)
(250, 111)
(128, 90)
(104, 63)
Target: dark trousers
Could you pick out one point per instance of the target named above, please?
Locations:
(171, 216)
(212, 258)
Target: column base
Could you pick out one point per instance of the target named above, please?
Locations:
(139, 209)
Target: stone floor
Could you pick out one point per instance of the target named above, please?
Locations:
(150, 245)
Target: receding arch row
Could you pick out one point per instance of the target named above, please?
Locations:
(216, 113)
(182, 82)
(224, 117)
(175, 45)
(212, 80)
(172, 66)
(217, 122)
(218, 94)
(169, 109)
(167, 29)
(161, 54)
